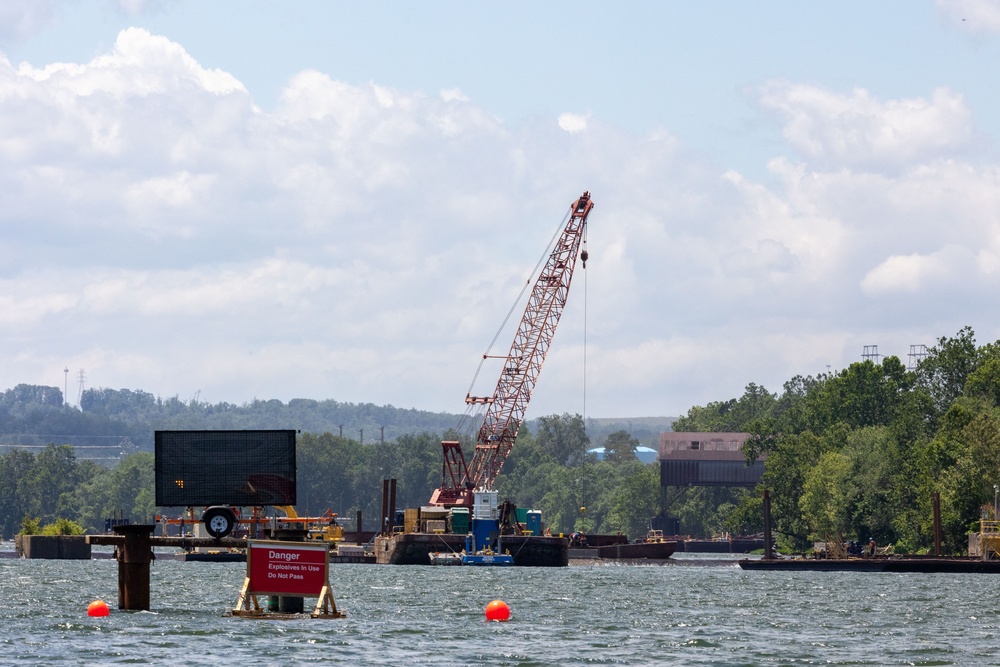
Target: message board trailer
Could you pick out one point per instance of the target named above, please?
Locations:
(225, 467)
(286, 569)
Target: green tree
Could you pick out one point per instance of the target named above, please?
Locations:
(565, 437)
(632, 499)
(31, 526)
(54, 473)
(967, 486)
(984, 381)
(526, 473)
(16, 495)
(824, 502)
(708, 511)
(620, 447)
(789, 460)
(561, 502)
(729, 416)
(125, 490)
(877, 484)
(944, 371)
(62, 527)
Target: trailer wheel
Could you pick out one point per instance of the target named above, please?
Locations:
(219, 521)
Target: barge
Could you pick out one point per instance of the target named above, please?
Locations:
(617, 547)
(416, 548)
(923, 564)
(640, 550)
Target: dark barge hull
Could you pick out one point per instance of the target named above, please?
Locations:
(415, 549)
(647, 550)
(734, 546)
(891, 564)
(216, 557)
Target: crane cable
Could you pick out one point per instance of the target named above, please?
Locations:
(584, 255)
(472, 410)
(528, 283)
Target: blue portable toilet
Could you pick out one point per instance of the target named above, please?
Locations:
(534, 522)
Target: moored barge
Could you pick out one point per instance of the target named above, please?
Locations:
(924, 564)
(416, 548)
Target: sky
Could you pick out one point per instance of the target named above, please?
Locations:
(244, 200)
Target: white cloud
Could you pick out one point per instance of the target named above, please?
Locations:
(859, 130)
(454, 95)
(140, 65)
(363, 242)
(914, 273)
(572, 122)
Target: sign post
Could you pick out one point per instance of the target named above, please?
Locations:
(286, 569)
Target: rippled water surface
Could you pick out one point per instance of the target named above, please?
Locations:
(638, 615)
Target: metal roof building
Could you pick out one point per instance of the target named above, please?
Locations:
(706, 459)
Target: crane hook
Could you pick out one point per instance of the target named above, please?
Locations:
(584, 255)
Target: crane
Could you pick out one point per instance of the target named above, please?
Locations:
(506, 407)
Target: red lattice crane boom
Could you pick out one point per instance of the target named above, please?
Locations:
(506, 407)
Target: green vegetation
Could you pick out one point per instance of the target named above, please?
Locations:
(33, 526)
(551, 471)
(854, 454)
(860, 453)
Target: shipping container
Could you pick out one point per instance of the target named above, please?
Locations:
(459, 519)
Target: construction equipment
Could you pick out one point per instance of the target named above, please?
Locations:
(506, 407)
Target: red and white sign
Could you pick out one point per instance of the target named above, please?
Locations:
(282, 568)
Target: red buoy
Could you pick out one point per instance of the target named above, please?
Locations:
(97, 608)
(497, 610)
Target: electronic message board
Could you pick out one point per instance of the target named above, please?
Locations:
(197, 468)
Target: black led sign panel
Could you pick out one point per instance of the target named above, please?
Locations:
(196, 468)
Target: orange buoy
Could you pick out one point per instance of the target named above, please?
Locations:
(497, 610)
(97, 608)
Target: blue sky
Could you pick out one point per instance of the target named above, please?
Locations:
(340, 200)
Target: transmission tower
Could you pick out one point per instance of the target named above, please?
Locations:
(126, 447)
(871, 354)
(917, 354)
(83, 378)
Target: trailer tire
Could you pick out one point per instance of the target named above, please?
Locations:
(219, 521)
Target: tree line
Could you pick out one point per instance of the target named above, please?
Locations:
(32, 416)
(847, 455)
(551, 471)
(860, 453)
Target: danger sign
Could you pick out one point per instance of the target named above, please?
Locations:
(283, 568)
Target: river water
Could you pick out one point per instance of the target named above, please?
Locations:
(697, 612)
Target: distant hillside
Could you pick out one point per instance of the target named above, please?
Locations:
(33, 415)
(644, 429)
